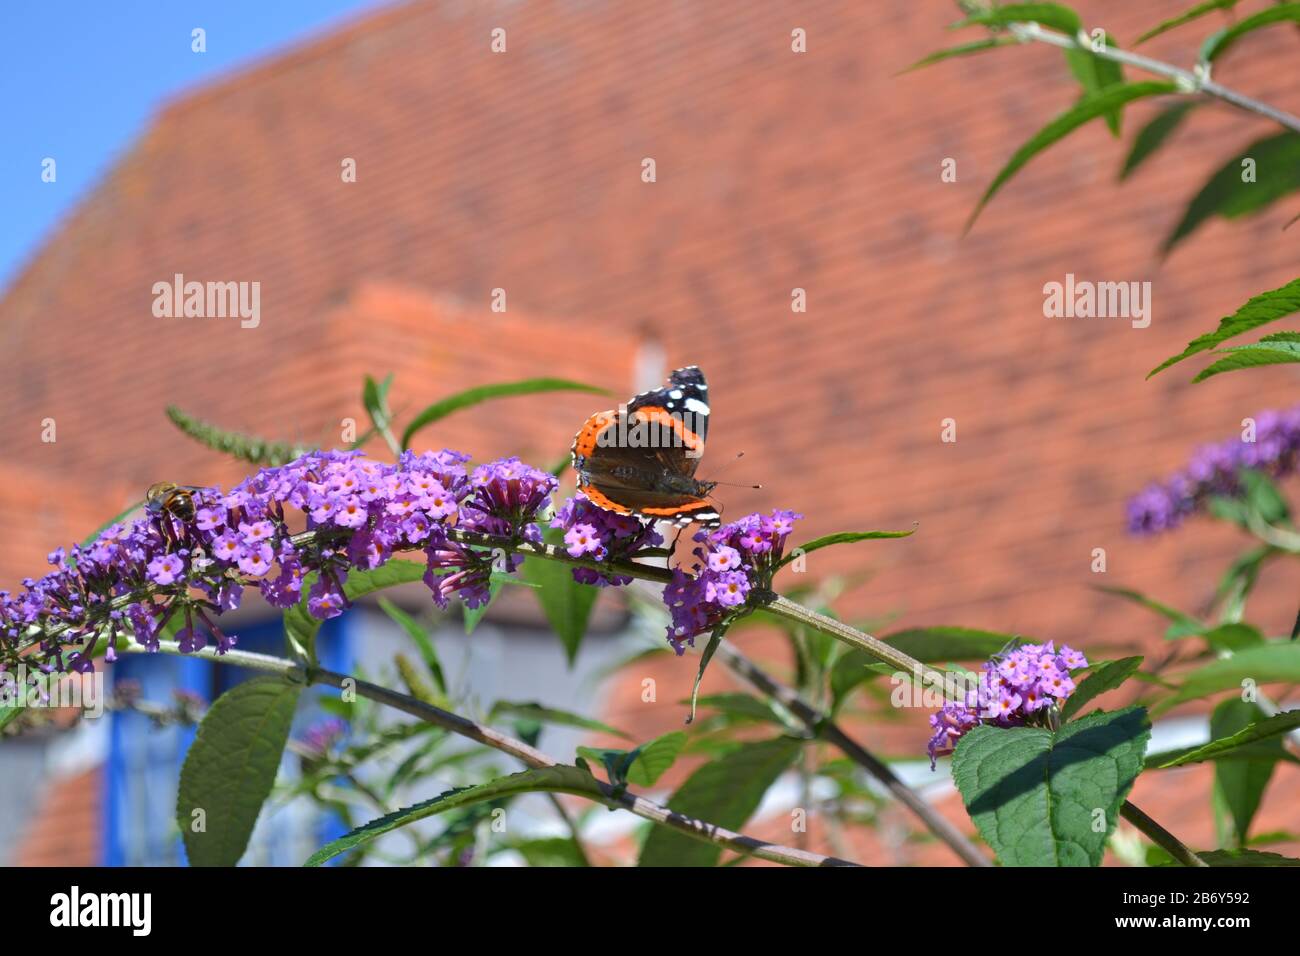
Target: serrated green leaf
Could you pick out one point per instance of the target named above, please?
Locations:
(725, 792)
(1238, 357)
(1260, 310)
(454, 403)
(566, 603)
(1233, 742)
(1276, 161)
(962, 49)
(230, 768)
(559, 779)
(842, 537)
(1154, 135)
(1200, 10)
(244, 447)
(532, 710)
(1053, 15)
(1219, 43)
(1034, 794)
(1105, 678)
(1088, 108)
(1275, 662)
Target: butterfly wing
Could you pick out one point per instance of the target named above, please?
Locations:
(643, 462)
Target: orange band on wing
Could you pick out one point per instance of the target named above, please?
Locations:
(678, 509)
(601, 501)
(584, 443)
(661, 416)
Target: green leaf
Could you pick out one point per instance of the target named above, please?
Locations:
(962, 49)
(1260, 310)
(1088, 108)
(715, 640)
(1105, 678)
(725, 792)
(551, 715)
(301, 628)
(1238, 357)
(1097, 74)
(1246, 858)
(230, 768)
(244, 447)
(549, 851)
(1275, 662)
(421, 639)
(842, 537)
(1154, 134)
(374, 396)
(1052, 15)
(654, 758)
(441, 409)
(1233, 637)
(1277, 172)
(1200, 10)
(566, 603)
(559, 779)
(1219, 43)
(8, 715)
(1240, 784)
(1033, 794)
(1252, 731)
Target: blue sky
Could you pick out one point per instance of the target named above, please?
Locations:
(81, 79)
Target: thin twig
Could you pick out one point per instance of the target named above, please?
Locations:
(1160, 836)
(1192, 81)
(530, 756)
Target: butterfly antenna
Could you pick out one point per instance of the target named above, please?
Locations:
(728, 484)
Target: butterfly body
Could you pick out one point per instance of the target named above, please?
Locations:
(641, 458)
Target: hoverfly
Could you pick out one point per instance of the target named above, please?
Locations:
(166, 500)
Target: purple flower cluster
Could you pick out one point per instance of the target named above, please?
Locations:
(320, 737)
(731, 562)
(1213, 471)
(1013, 690)
(142, 575)
(603, 536)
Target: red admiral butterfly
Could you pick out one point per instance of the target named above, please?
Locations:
(641, 459)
